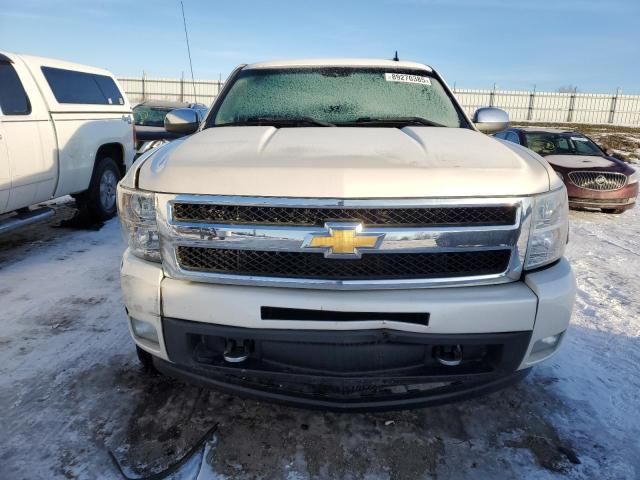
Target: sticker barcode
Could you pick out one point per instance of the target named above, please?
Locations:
(406, 78)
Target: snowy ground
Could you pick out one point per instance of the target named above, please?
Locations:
(71, 390)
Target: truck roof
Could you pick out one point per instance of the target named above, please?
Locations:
(164, 104)
(546, 130)
(34, 65)
(35, 62)
(339, 62)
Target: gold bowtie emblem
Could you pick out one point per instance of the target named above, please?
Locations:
(343, 240)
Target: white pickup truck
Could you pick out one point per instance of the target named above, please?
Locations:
(64, 129)
(338, 233)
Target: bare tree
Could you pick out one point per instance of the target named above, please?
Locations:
(568, 89)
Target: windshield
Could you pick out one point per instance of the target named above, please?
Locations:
(148, 116)
(337, 96)
(561, 144)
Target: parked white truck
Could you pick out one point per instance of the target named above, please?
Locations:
(340, 234)
(64, 129)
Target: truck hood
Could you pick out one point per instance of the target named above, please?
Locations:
(344, 162)
(581, 161)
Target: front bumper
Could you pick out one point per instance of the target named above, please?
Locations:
(344, 370)
(332, 363)
(623, 198)
(357, 394)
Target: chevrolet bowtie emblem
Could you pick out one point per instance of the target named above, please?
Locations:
(343, 239)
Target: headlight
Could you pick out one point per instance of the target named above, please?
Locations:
(137, 211)
(549, 229)
(633, 178)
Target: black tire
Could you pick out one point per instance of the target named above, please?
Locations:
(100, 199)
(613, 211)
(146, 361)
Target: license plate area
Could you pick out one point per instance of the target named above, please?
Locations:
(300, 314)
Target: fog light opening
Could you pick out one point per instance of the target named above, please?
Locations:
(145, 331)
(546, 343)
(448, 355)
(237, 351)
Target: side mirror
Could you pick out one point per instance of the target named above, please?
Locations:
(490, 120)
(181, 120)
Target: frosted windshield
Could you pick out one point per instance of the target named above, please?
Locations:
(336, 95)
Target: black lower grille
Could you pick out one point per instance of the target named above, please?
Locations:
(344, 369)
(370, 267)
(388, 217)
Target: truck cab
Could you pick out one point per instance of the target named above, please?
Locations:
(339, 234)
(64, 129)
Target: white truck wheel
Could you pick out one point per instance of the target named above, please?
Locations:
(100, 198)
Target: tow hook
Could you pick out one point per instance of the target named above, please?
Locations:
(448, 355)
(236, 351)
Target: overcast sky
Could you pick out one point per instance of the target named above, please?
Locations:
(591, 44)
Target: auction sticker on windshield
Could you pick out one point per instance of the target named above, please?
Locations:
(406, 78)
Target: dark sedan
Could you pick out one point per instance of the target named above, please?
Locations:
(593, 178)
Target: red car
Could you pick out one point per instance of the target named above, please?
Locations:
(593, 178)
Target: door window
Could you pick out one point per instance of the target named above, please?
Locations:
(69, 86)
(13, 98)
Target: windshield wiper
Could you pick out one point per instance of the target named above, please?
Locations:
(401, 120)
(279, 122)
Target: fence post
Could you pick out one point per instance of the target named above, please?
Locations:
(182, 87)
(532, 97)
(144, 89)
(614, 104)
(492, 95)
(572, 105)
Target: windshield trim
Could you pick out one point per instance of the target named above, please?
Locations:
(213, 112)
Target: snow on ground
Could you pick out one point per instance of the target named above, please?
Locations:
(71, 390)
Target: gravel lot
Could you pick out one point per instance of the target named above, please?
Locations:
(71, 390)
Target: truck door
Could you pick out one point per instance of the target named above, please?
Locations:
(31, 169)
(5, 179)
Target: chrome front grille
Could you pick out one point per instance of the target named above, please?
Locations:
(599, 181)
(415, 243)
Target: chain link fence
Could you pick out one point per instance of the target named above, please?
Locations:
(522, 106)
